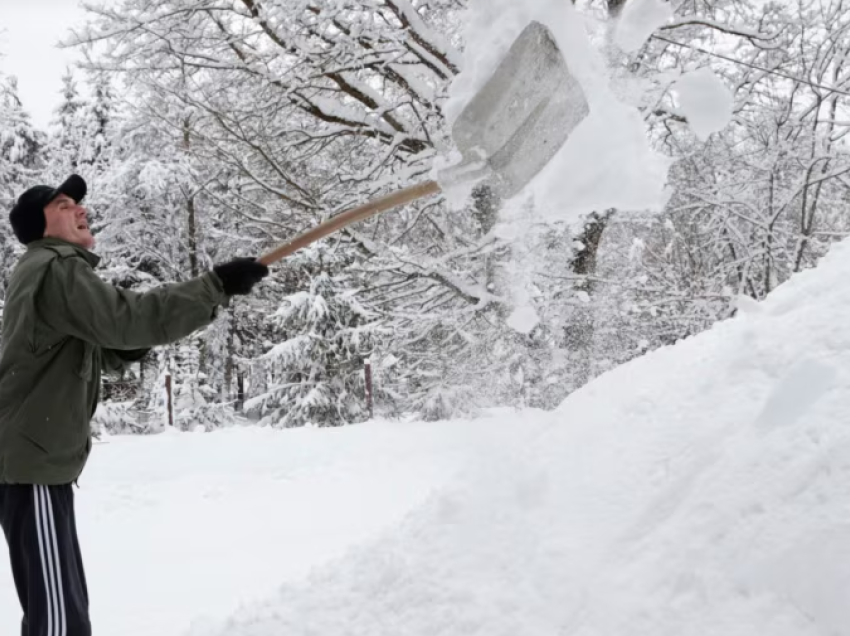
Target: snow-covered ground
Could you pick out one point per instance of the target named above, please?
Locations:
(179, 528)
(701, 490)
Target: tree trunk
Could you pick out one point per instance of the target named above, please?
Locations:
(486, 213)
(240, 391)
(229, 363)
(190, 211)
(584, 262)
(578, 335)
(170, 399)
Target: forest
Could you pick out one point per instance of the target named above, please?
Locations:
(211, 128)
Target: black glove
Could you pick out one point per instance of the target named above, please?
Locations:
(240, 275)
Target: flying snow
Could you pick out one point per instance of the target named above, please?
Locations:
(705, 101)
(639, 20)
(607, 161)
(523, 319)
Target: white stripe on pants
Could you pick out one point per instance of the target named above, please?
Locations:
(51, 565)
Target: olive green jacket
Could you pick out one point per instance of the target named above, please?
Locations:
(63, 325)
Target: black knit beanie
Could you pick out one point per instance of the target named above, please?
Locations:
(27, 217)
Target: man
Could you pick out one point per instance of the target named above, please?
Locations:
(61, 326)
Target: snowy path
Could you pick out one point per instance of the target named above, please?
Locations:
(181, 527)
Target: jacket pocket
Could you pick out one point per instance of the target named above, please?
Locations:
(44, 341)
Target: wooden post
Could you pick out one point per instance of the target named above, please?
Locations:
(170, 401)
(240, 390)
(368, 371)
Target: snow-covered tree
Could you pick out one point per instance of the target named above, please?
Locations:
(20, 162)
(315, 371)
(20, 143)
(248, 122)
(67, 142)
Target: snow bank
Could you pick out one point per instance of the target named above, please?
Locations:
(607, 161)
(701, 489)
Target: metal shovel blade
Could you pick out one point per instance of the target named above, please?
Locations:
(523, 114)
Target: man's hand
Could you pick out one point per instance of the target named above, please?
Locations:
(239, 276)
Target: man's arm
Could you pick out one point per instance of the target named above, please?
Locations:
(75, 301)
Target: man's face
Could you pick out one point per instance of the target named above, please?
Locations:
(67, 220)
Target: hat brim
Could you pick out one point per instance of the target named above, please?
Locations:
(74, 187)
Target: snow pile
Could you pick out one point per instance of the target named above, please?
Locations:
(607, 160)
(705, 101)
(701, 489)
(639, 20)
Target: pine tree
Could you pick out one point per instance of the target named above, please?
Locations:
(66, 145)
(20, 162)
(100, 119)
(20, 143)
(325, 335)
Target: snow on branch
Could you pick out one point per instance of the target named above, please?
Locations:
(718, 26)
(435, 45)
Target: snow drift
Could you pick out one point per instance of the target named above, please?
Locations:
(701, 489)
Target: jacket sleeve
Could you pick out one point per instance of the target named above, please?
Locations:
(73, 300)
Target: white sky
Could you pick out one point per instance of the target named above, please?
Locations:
(29, 30)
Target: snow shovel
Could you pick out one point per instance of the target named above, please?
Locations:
(506, 134)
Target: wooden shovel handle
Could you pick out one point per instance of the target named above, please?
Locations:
(351, 216)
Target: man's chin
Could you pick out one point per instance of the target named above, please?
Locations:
(86, 242)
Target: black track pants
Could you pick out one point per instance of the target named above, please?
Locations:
(41, 532)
